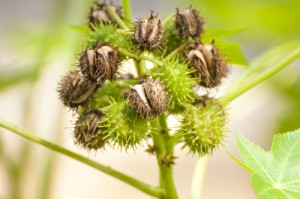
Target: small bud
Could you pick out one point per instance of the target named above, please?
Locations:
(168, 160)
(99, 63)
(88, 132)
(148, 33)
(74, 90)
(149, 98)
(189, 23)
(209, 64)
(100, 14)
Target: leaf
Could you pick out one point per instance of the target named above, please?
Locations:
(276, 174)
(232, 52)
(211, 33)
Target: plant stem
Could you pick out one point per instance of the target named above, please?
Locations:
(116, 17)
(151, 190)
(266, 75)
(166, 174)
(137, 58)
(198, 178)
(266, 58)
(127, 10)
(177, 50)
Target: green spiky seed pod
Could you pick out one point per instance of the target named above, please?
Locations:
(189, 23)
(202, 129)
(178, 83)
(148, 33)
(74, 90)
(99, 63)
(123, 126)
(108, 33)
(99, 14)
(149, 98)
(88, 133)
(209, 64)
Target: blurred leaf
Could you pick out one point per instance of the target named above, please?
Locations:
(81, 29)
(211, 33)
(276, 174)
(232, 52)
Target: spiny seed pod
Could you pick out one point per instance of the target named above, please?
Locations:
(202, 129)
(88, 132)
(148, 98)
(74, 90)
(148, 33)
(189, 23)
(209, 64)
(99, 13)
(99, 63)
(124, 129)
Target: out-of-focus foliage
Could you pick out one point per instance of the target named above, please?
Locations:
(267, 20)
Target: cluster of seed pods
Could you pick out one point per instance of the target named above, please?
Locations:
(100, 62)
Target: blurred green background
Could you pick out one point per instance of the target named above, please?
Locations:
(39, 43)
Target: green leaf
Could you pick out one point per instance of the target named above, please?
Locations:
(211, 33)
(276, 173)
(233, 52)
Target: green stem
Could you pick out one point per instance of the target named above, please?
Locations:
(198, 178)
(177, 50)
(266, 75)
(266, 58)
(137, 58)
(166, 174)
(127, 10)
(116, 17)
(151, 190)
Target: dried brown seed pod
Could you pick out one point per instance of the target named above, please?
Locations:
(209, 64)
(156, 95)
(138, 100)
(189, 23)
(148, 98)
(99, 62)
(74, 90)
(148, 33)
(88, 133)
(99, 13)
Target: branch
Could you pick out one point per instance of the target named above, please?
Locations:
(148, 189)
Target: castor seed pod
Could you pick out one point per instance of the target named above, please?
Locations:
(202, 129)
(189, 23)
(138, 100)
(209, 64)
(156, 95)
(148, 33)
(148, 98)
(99, 63)
(99, 14)
(74, 90)
(88, 133)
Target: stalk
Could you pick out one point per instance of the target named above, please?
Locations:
(148, 189)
